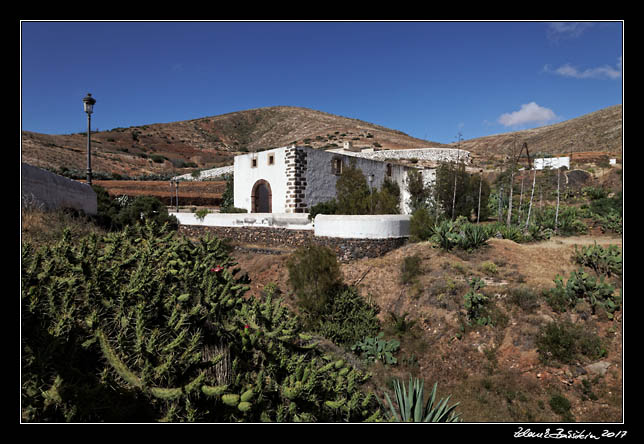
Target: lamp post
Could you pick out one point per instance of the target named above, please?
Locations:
(88, 106)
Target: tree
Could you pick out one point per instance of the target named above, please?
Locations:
(313, 274)
(387, 199)
(228, 198)
(420, 194)
(354, 196)
(466, 201)
(352, 191)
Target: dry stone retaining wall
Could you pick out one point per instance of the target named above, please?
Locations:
(345, 249)
(430, 154)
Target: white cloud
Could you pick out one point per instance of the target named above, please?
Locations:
(601, 72)
(559, 30)
(529, 113)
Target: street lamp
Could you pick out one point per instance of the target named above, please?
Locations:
(88, 106)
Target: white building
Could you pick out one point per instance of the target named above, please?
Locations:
(292, 179)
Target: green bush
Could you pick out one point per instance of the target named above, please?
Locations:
(355, 196)
(347, 317)
(568, 343)
(378, 349)
(228, 197)
(146, 208)
(420, 225)
(524, 297)
(582, 286)
(117, 213)
(606, 261)
(328, 207)
(314, 275)
(202, 213)
(410, 268)
(476, 303)
(467, 191)
(156, 158)
(561, 406)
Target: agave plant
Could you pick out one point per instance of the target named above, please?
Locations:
(444, 235)
(410, 404)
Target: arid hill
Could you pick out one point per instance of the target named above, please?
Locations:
(182, 147)
(600, 131)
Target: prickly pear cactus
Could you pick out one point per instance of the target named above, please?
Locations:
(148, 326)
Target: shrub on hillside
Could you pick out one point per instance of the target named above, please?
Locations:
(313, 274)
(420, 225)
(567, 343)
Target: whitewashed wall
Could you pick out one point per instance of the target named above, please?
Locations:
(246, 177)
(276, 220)
(320, 181)
(381, 226)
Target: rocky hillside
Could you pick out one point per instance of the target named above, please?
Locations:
(181, 147)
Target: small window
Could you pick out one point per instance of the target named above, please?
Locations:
(253, 163)
(336, 166)
(271, 159)
(388, 170)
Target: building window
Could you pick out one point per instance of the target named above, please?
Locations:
(336, 166)
(253, 163)
(389, 170)
(271, 159)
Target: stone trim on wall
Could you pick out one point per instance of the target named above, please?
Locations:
(345, 249)
(296, 166)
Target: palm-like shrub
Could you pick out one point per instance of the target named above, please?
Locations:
(410, 406)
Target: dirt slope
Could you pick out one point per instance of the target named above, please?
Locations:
(494, 372)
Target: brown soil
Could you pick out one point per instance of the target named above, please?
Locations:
(488, 366)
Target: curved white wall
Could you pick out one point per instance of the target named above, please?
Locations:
(378, 226)
(276, 220)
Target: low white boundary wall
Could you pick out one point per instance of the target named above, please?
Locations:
(293, 221)
(379, 226)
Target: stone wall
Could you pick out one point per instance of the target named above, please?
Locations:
(345, 249)
(53, 191)
(296, 167)
(207, 174)
(430, 154)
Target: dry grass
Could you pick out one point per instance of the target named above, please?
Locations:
(40, 227)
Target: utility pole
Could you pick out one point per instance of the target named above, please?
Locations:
(458, 157)
(534, 180)
(478, 212)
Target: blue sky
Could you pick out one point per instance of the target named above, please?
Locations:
(430, 80)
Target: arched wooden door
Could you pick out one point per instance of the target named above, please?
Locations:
(262, 197)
